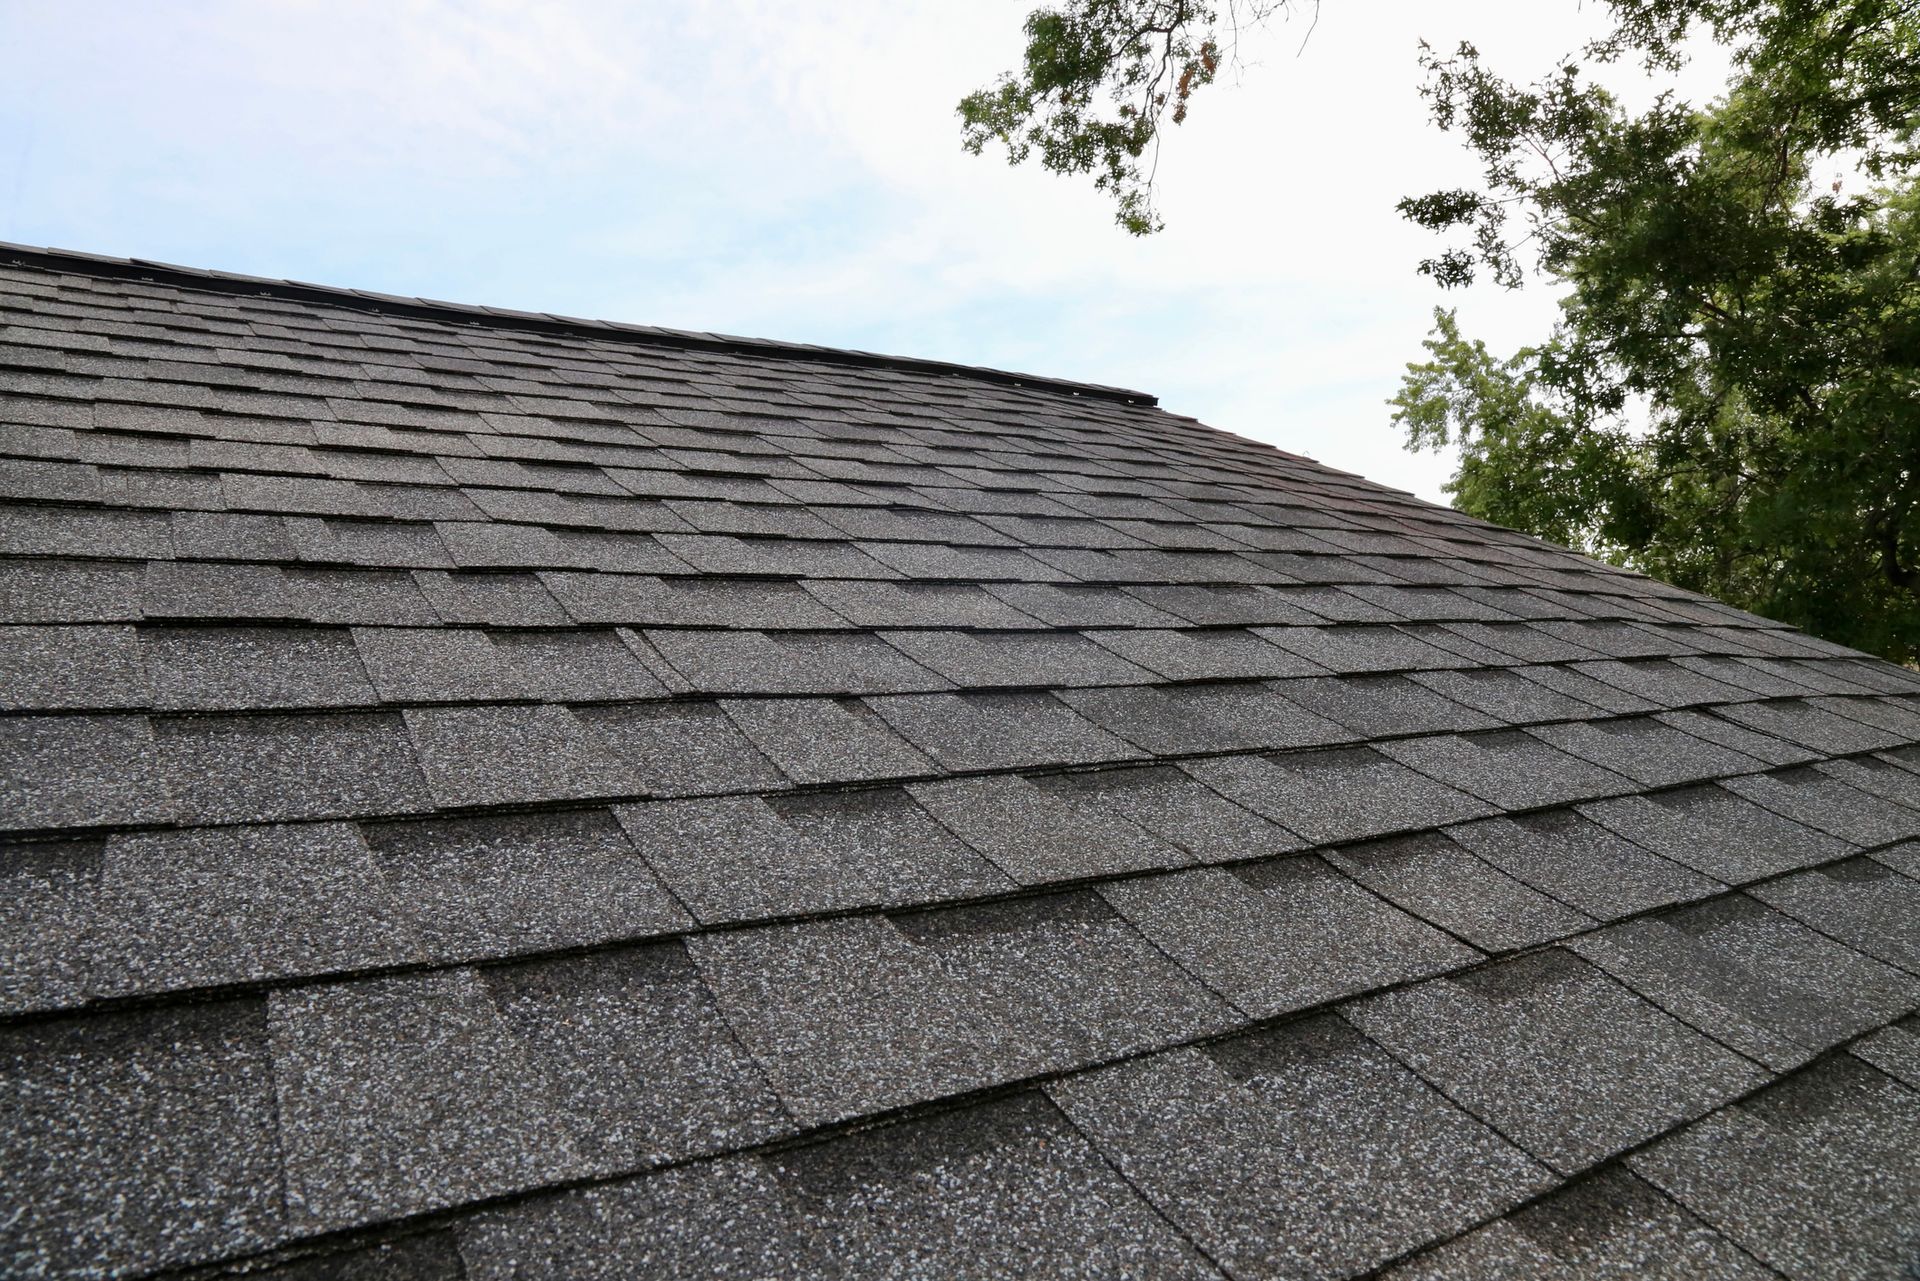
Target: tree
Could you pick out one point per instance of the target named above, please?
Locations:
(1097, 83)
(1730, 399)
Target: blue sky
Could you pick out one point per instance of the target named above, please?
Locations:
(790, 170)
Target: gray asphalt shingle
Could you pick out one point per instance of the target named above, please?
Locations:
(1304, 1151)
(507, 884)
(497, 795)
(1284, 934)
(745, 858)
(1813, 1176)
(1556, 1056)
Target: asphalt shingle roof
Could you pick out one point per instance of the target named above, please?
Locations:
(490, 795)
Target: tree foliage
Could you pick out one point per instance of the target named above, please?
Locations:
(1099, 81)
(1730, 399)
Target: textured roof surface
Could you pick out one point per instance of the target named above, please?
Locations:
(496, 796)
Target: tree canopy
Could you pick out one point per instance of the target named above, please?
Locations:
(1730, 398)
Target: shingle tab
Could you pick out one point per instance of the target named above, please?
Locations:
(1556, 1056)
(1336, 795)
(1002, 1189)
(1304, 1151)
(864, 1014)
(208, 907)
(503, 885)
(745, 858)
(1036, 834)
(744, 662)
(1284, 934)
(1814, 1176)
(1438, 880)
(1612, 1225)
(995, 730)
(137, 1140)
(502, 755)
(1512, 769)
(253, 668)
(680, 748)
(268, 768)
(1820, 800)
(1582, 864)
(400, 1095)
(48, 668)
(69, 591)
(1863, 903)
(643, 1065)
(1716, 832)
(80, 771)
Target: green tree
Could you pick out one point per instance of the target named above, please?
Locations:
(1730, 398)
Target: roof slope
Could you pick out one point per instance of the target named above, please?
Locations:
(496, 796)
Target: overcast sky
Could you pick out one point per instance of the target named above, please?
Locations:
(789, 170)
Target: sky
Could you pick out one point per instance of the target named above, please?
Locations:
(788, 170)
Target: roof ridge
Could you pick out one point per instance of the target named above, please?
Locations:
(73, 260)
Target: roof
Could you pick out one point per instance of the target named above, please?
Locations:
(492, 795)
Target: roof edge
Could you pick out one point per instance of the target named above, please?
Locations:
(77, 261)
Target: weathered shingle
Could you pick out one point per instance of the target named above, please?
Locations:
(1556, 1056)
(1304, 1151)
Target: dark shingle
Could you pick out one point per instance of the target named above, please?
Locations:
(1211, 654)
(1036, 835)
(681, 748)
(643, 600)
(210, 589)
(1754, 979)
(1555, 1055)
(998, 730)
(1174, 720)
(1002, 1189)
(498, 599)
(859, 1015)
(366, 596)
(1438, 880)
(984, 659)
(883, 604)
(80, 771)
(44, 668)
(251, 668)
(137, 1140)
(742, 858)
(1336, 795)
(228, 905)
(1716, 832)
(1862, 902)
(579, 665)
(81, 531)
(401, 1095)
(267, 768)
(742, 662)
(1074, 605)
(1815, 1176)
(1359, 649)
(509, 884)
(1174, 806)
(503, 755)
(435, 665)
(1714, 729)
(1809, 726)
(1379, 706)
(68, 591)
(49, 923)
(1513, 769)
(1304, 1151)
(1581, 863)
(1819, 800)
(1647, 751)
(1612, 1225)
(643, 1065)
(819, 740)
(1508, 694)
(1283, 935)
